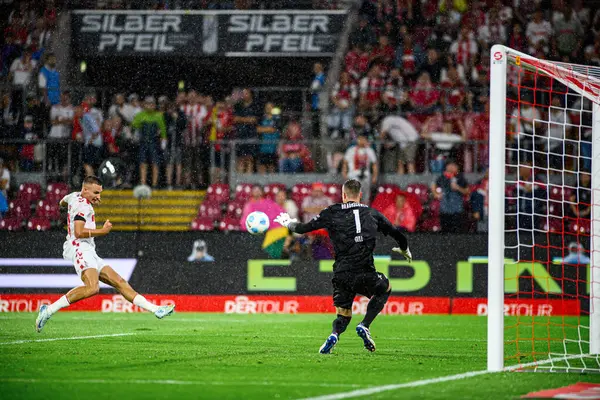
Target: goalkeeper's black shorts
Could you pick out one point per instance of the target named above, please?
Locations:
(346, 285)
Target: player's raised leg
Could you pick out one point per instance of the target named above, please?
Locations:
(382, 294)
(90, 288)
(112, 278)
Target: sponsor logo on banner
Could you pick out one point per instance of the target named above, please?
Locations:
(245, 305)
(285, 33)
(513, 307)
(207, 33)
(46, 273)
(290, 304)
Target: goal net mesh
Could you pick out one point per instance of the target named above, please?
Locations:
(548, 202)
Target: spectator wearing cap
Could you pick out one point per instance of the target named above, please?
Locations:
(360, 162)
(152, 131)
(49, 81)
(313, 204)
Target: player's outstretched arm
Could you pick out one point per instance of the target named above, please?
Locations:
(81, 232)
(385, 226)
(297, 227)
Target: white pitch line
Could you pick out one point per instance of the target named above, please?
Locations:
(425, 382)
(68, 338)
(385, 388)
(177, 382)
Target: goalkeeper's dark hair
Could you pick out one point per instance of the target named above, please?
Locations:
(90, 179)
(352, 188)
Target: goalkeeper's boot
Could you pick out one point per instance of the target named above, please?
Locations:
(164, 311)
(365, 335)
(43, 317)
(329, 344)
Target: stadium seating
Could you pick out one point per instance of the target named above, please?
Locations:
(300, 191)
(48, 209)
(218, 192)
(10, 223)
(234, 209)
(19, 208)
(271, 189)
(334, 191)
(203, 224)
(30, 192)
(420, 190)
(243, 191)
(39, 224)
(229, 224)
(56, 191)
(388, 188)
(210, 209)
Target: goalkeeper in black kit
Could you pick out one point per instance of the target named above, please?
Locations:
(353, 228)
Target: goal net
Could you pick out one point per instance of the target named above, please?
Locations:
(544, 234)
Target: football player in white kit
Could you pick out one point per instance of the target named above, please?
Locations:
(80, 249)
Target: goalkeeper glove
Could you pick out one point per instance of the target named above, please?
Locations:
(284, 219)
(405, 253)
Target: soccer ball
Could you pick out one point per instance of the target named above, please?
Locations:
(257, 222)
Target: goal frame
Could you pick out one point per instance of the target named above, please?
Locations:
(496, 232)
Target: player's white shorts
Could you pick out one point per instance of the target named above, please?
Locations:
(83, 257)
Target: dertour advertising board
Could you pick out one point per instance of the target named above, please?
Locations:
(284, 33)
(232, 274)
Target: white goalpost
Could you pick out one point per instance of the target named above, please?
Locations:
(544, 215)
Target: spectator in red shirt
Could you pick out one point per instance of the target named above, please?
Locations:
(401, 214)
(464, 48)
(293, 152)
(371, 88)
(383, 54)
(453, 96)
(408, 57)
(352, 61)
(343, 97)
(517, 40)
(480, 132)
(424, 96)
(474, 18)
(219, 122)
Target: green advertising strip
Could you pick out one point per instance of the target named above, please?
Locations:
(258, 282)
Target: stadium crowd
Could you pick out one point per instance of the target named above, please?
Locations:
(412, 98)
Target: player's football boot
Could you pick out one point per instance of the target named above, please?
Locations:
(164, 311)
(365, 335)
(43, 317)
(329, 344)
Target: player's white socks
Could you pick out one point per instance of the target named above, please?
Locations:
(141, 302)
(58, 304)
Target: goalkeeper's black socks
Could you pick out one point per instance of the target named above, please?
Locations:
(374, 307)
(340, 324)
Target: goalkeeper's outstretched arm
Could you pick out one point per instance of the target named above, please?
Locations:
(312, 225)
(319, 222)
(385, 226)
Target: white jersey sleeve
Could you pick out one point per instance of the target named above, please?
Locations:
(79, 209)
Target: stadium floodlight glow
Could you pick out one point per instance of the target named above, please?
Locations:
(543, 116)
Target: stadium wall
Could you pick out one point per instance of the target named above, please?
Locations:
(447, 276)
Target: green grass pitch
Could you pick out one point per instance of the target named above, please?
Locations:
(217, 356)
